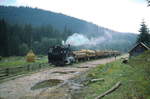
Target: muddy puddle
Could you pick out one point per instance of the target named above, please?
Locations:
(71, 89)
(83, 67)
(64, 72)
(47, 83)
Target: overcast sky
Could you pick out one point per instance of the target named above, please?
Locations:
(119, 15)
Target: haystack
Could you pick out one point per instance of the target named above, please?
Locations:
(30, 57)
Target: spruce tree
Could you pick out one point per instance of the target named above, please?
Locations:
(148, 1)
(144, 35)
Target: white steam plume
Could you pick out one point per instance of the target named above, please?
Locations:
(79, 39)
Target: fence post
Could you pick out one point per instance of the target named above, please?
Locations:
(7, 71)
(28, 68)
(39, 66)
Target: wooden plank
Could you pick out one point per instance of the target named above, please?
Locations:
(2, 71)
(95, 80)
(2, 75)
(116, 86)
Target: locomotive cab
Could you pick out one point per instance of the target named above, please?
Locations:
(60, 55)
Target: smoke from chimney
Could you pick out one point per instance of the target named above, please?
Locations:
(78, 39)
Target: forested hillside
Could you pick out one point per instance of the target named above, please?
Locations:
(17, 40)
(24, 28)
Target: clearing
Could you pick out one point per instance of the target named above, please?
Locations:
(22, 88)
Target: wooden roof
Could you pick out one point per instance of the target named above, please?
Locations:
(142, 44)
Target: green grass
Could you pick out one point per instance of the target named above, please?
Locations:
(14, 64)
(19, 61)
(135, 79)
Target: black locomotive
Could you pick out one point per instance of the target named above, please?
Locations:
(60, 55)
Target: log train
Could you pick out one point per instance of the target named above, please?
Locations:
(63, 55)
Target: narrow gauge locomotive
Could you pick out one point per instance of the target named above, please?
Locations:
(62, 55)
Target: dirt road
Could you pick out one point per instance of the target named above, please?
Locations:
(20, 88)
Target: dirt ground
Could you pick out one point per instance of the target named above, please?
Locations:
(20, 88)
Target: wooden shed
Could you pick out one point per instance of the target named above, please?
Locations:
(138, 49)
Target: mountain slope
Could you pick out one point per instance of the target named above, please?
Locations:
(105, 38)
(25, 15)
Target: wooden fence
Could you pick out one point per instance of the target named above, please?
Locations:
(9, 72)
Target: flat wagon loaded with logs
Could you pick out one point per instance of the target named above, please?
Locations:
(63, 55)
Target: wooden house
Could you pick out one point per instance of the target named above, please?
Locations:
(138, 49)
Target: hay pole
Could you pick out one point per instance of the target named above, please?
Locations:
(116, 86)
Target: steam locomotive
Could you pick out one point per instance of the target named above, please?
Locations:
(63, 55)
